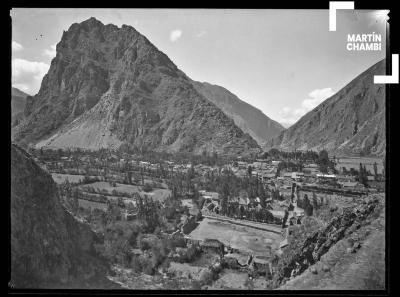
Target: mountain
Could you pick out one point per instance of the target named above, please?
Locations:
(248, 118)
(18, 101)
(351, 122)
(50, 248)
(109, 86)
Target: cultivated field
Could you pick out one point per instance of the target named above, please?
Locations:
(355, 163)
(72, 178)
(239, 237)
(92, 204)
(156, 194)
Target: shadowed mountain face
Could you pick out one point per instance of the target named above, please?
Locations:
(351, 122)
(248, 118)
(49, 247)
(18, 101)
(108, 86)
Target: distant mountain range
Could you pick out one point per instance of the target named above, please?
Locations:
(18, 101)
(248, 118)
(109, 86)
(351, 122)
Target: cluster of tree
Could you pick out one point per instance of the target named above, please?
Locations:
(311, 205)
(257, 215)
(69, 196)
(304, 156)
(324, 163)
(290, 166)
(363, 175)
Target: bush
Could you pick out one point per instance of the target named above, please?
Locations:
(136, 264)
(206, 277)
(142, 243)
(147, 187)
(176, 241)
(146, 265)
(192, 252)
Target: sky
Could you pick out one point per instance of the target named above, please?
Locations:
(283, 62)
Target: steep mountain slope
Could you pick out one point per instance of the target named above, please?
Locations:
(348, 253)
(248, 118)
(351, 122)
(49, 247)
(18, 101)
(109, 85)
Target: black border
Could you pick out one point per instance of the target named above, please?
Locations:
(391, 91)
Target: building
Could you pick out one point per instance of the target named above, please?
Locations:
(297, 175)
(213, 245)
(261, 264)
(326, 177)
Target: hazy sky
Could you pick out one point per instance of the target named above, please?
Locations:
(284, 62)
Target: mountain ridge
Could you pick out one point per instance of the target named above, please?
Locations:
(18, 102)
(247, 117)
(109, 86)
(349, 123)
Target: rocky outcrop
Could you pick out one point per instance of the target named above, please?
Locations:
(297, 258)
(351, 122)
(50, 248)
(108, 86)
(248, 118)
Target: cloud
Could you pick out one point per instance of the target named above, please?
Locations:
(286, 117)
(201, 34)
(316, 97)
(28, 75)
(175, 35)
(289, 116)
(16, 46)
(50, 52)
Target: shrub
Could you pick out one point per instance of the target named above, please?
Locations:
(142, 243)
(147, 187)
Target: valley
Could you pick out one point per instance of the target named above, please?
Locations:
(128, 174)
(165, 217)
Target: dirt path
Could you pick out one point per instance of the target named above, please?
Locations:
(259, 226)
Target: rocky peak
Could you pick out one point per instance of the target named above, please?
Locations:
(351, 122)
(117, 84)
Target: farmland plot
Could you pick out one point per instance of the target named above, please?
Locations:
(242, 238)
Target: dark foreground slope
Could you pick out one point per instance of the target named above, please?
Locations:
(109, 86)
(49, 247)
(351, 122)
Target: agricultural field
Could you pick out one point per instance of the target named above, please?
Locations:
(243, 238)
(354, 162)
(92, 204)
(59, 178)
(155, 194)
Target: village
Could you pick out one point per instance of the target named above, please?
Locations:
(231, 216)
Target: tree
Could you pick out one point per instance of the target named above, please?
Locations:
(129, 177)
(362, 175)
(376, 171)
(314, 201)
(323, 161)
(262, 195)
(224, 197)
(249, 171)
